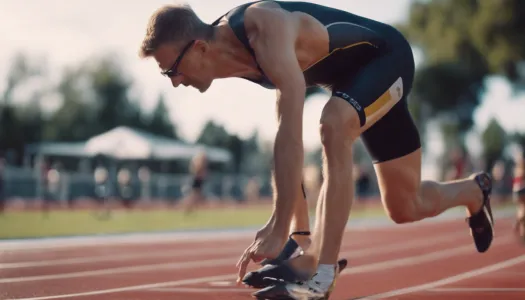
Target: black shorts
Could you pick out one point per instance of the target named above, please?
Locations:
(197, 183)
(373, 86)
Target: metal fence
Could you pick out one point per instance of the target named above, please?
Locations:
(29, 185)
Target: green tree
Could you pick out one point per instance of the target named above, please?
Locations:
(96, 97)
(76, 118)
(21, 70)
(213, 134)
(463, 42)
(20, 124)
(485, 35)
(255, 161)
(159, 121)
(518, 138)
(236, 147)
(217, 136)
(111, 94)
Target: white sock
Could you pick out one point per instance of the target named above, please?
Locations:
(325, 276)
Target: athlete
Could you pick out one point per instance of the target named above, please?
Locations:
(368, 67)
(518, 190)
(198, 169)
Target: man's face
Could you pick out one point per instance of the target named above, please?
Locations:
(188, 64)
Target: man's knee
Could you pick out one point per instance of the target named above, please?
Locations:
(339, 123)
(402, 214)
(409, 205)
(403, 207)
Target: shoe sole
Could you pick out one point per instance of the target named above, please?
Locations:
(260, 283)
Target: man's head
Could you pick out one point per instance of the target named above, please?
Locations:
(179, 42)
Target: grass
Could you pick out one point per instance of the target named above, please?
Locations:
(30, 224)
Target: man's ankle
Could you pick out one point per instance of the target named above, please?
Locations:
(304, 241)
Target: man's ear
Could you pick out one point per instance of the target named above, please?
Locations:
(202, 46)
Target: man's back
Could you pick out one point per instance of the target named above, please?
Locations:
(346, 41)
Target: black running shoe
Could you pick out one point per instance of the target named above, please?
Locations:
(289, 286)
(291, 250)
(482, 223)
(281, 272)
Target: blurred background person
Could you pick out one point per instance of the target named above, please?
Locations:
(458, 163)
(252, 190)
(125, 185)
(518, 189)
(363, 182)
(102, 191)
(502, 182)
(53, 187)
(199, 171)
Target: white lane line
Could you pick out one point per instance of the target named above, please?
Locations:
(467, 275)
(113, 240)
(198, 251)
(363, 268)
(138, 287)
(127, 270)
(432, 256)
(222, 283)
(377, 250)
(405, 245)
(120, 257)
(132, 255)
(202, 290)
(244, 290)
(474, 290)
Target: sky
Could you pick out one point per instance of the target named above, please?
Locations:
(64, 33)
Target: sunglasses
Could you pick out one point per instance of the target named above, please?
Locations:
(172, 72)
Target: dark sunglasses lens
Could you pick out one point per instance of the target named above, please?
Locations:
(168, 73)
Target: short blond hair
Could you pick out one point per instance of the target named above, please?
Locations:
(175, 23)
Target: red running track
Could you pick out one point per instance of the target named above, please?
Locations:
(432, 260)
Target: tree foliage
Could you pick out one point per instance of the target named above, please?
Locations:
(20, 123)
(216, 135)
(463, 42)
(484, 35)
(95, 96)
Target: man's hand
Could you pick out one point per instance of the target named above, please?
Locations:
(267, 244)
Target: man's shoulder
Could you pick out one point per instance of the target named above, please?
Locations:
(236, 10)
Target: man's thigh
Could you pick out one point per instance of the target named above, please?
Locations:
(378, 92)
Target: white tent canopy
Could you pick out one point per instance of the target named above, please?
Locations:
(126, 143)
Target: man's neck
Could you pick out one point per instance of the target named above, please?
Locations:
(231, 58)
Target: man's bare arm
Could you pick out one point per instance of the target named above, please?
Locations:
(272, 34)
